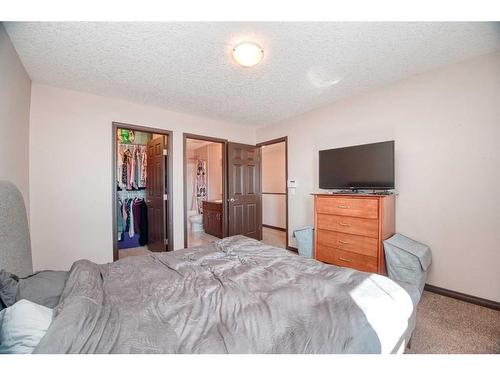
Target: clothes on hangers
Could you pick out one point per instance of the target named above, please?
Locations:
(141, 156)
(131, 170)
(131, 175)
(132, 219)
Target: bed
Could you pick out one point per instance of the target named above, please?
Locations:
(236, 295)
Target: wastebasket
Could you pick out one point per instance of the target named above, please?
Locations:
(407, 262)
(304, 238)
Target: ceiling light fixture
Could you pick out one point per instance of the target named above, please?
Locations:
(248, 54)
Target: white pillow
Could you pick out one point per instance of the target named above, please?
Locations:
(22, 326)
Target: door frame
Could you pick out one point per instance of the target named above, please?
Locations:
(169, 214)
(223, 142)
(268, 143)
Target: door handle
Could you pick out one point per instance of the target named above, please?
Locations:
(344, 224)
(231, 200)
(343, 242)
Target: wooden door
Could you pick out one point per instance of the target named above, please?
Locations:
(156, 195)
(244, 190)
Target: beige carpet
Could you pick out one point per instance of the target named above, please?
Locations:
(449, 326)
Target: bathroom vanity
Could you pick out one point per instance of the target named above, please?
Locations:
(212, 218)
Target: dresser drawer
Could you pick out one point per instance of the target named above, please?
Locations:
(367, 208)
(346, 259)
(347, 224)
(349, 242)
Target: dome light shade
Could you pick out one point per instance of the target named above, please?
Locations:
(248, 54)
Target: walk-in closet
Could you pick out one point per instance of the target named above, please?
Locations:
(141, 191)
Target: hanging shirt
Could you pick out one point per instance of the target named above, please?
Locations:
(144, 164)
(127, 168)
(119, 220)
(143, 239)
(137, 167)
(121, 168)
(124, 215)
(131, 218)
(136, 210)
(132, 183)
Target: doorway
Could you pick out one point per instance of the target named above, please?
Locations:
(142, 182)
(239, 211)
(204, 189)
(274, 192)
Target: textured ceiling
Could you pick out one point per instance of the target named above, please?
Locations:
(187, 67)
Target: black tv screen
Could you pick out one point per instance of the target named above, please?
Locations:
(368, 166)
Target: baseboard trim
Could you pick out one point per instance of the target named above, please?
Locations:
(463, 297)
(291, 248)
(273, 227)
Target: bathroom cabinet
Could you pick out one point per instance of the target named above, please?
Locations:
(212, 218)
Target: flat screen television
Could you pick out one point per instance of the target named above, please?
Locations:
(369, 166)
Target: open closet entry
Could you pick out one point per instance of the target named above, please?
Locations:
(141, 186)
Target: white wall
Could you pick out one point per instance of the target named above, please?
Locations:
(15, 91)
(70, 175)
(274, 210)
(274, 168)
(446, 124)
(273, 181)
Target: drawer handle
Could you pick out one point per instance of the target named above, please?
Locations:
(343, 206)
(343, 242)
(344, 224)
(345, 260)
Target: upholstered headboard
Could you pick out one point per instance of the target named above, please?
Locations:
(15, 247)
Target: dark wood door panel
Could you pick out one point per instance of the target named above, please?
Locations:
(251, 220)
(244, 190)
(252, 155)
(155, 195)
(251, 187)
(236, 220)
(237, 179)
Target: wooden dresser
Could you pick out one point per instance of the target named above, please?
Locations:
(350, 229)
(212, 218)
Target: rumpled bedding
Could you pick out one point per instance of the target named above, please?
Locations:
(236, 295)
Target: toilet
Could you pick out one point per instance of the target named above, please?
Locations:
(196, 221)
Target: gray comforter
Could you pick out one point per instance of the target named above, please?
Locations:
(234, 296)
